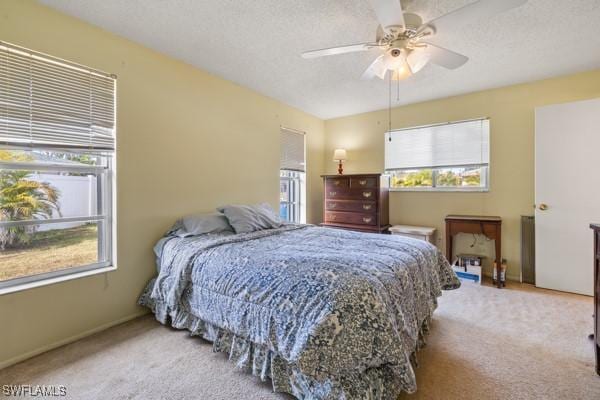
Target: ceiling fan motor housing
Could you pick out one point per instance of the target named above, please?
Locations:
(397, 46)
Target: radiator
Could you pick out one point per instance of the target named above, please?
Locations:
(528, 249)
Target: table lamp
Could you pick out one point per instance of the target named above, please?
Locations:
(339, 155)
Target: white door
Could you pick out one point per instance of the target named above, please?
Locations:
(567, 194)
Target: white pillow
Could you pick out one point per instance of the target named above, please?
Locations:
(245, 218)
(206, 223)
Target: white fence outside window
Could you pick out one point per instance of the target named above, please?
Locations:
(78, 197)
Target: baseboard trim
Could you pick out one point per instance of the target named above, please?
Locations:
(71, 339)
(512, 278)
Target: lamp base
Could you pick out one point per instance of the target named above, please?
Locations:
(340, 169)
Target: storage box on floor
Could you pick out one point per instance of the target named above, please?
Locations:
(468, 273)
(468, 268)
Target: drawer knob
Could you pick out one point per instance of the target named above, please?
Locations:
(332, 193)
(362, 182)
(366, 220)
(332, 217)
(336, 183)
(332, 205)
(366, 194)
(367, 206)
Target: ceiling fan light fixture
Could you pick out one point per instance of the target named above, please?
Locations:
(380, 73)
(417, 59)
(395, 59)
(378, 68)
(401, 73)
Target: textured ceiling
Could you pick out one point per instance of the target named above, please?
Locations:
(257, 44)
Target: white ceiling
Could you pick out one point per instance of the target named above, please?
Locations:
(257, 44)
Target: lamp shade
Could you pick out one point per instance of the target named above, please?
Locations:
(417, 59)
(339, 155)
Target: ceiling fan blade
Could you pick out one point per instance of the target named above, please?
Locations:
(377, 68)
(479, 10)
(389, 14)
(352, 48)
(444, 57)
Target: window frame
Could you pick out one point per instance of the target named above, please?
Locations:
(481, 189)
(485, 177)
(28, 69)
(293, 172)
(298, 183)
(105, 219)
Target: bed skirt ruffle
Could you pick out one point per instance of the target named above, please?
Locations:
(378, 383)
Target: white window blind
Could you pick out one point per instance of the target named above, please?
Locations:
(292, 151)
(48, 102)
(446, 145)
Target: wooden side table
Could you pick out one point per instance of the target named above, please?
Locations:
(489, 226)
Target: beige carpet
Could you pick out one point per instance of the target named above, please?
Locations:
(485, 343)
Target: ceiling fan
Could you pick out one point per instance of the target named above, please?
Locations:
(403, 38)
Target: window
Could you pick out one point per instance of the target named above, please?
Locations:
(451, 157)
(57, 143)
(292, 174)
(291, 186)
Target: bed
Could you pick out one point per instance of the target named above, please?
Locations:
(323, 313)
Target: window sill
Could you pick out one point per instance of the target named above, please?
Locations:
(18, 287)
(438, 190)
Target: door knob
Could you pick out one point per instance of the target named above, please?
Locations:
(543, 207)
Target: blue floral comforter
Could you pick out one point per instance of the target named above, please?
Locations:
(323, 313)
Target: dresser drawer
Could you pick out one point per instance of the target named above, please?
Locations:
(351, 205)
(364, 182)
(350, 218)
(350, 194)
(334, 183)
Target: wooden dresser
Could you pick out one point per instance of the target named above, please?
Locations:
(596, 228)
(357, 202)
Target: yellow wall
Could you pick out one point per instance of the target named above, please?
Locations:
(187, 142)
(511, 113)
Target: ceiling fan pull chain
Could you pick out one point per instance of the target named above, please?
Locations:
(390, 106)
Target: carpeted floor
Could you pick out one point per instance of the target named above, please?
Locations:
(516, 343)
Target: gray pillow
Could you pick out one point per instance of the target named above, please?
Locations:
(245, 218)
(205, 223)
